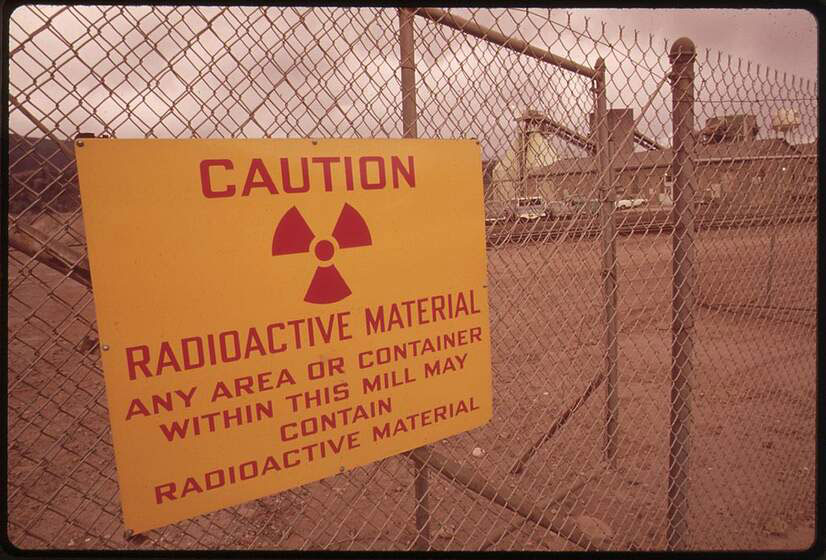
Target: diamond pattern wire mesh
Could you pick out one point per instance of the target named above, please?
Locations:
(266, 72)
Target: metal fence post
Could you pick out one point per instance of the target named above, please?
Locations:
(408, 73)
(608, 234)
(682, 57)
(408, 84)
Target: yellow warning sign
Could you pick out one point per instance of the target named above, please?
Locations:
(274, 312)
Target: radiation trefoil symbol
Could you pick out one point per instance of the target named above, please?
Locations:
(293, 235)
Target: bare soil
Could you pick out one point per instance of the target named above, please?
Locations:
(749, 477)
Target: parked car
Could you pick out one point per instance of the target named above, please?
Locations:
(627, 203)
(529, 208)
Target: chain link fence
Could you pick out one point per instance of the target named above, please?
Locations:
(650, 217)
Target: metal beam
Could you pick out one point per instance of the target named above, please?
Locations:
(546, 124)
(646, 142)
(38, 245)
(471, 479)
(43, 128)
(487, 34)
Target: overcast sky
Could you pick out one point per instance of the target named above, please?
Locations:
(314, 72)
(782, 39)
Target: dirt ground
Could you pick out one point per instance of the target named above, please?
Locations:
(749, 479)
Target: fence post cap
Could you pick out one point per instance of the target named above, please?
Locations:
(682, 50)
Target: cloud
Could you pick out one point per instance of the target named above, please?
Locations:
(296, 72)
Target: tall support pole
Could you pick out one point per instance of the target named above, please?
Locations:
(408, 79)
(608, 236)
(408, 73)
(682, 57)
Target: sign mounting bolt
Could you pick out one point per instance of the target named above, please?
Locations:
(105, 347)
(79, 143)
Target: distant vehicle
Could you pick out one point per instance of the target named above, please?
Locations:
(627, 203)
(529, 208)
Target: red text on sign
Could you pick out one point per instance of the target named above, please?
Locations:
(220, 177)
